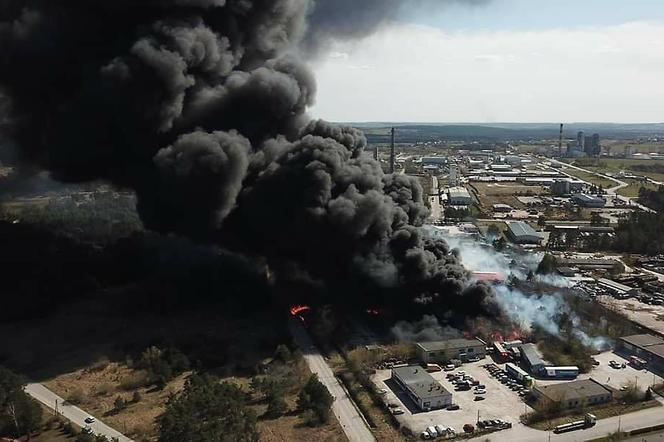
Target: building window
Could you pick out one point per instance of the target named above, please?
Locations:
(471, 350)
(427, 404)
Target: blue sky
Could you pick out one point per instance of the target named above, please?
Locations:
(506, 61)
(538, 14)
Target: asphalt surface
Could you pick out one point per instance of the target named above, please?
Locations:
(74, 414)
(604, 427)
(349, 418)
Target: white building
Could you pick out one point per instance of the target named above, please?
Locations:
(459, 196)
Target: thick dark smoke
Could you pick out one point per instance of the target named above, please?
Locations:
(199, 105)
(352, 19)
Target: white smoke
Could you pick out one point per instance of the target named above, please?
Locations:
(525, 310)
(427, 329)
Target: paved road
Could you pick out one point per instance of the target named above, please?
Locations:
(74, 414)
(349, 418)
(604, 427)
(436, 208)
(612, 192)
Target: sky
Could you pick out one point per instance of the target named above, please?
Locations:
(506, 61)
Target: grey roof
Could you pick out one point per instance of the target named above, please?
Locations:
(657, 350)
(588, 198)
(519, 228)
(419, 382)
(529, 351)
(450, 343)
(573, 390)
(643, 341)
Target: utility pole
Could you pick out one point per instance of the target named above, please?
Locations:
(393, 157)
(560, 140)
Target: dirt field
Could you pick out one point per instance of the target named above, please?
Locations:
(101, 384)
(505, 193)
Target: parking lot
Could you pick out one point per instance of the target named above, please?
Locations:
(500, 402)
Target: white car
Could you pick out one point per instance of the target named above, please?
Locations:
(450, 367)
(425, 435)
(480, 392)
(397, 411)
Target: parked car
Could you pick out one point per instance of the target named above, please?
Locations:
(614, 364)
(479, 398)
(453, 407)
(425, 435)
(397, 411)
(468, 428)
(392, 405)
(89, 420)
(480, 392)
(381, 391)
(595, 362)
(449, 367)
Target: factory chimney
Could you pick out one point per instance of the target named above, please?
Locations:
(393, 158)
(375, 153)
(560, 140)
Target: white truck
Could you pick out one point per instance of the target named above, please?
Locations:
(588, 421)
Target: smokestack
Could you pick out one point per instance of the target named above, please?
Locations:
(393, 158)
(375, 153)
(560, 139)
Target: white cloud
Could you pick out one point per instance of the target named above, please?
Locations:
(419, 73)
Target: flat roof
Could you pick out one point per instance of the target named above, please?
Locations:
(450, 343)
(573, 390)
(419, 382)
(657, 350)
(529, 351)
(458, 192)
(519, 228)
(643, 341)
(588, 198)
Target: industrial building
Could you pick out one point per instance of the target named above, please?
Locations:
(424, 390)
(648, 347)
(589, 201)
(445, 351)
(521, 233)
(576, 394)
(618, 290)
(566, 186)
(459, 196)
(531, 358)
(502, 208)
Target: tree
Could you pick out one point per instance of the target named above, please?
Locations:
(136, 397)
(208, 411)
(500, 244)
(493, 231)
(119, 404)
(316, 398)
(541, 221)
(19, 414)
(548, 265)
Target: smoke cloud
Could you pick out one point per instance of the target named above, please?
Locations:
(350, 19)
(200, 107)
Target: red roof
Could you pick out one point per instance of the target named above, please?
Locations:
(489, 276)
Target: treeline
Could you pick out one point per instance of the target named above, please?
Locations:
(98, 217)
(19, 414)
(640, 233)
(43, 270)
(653, 199)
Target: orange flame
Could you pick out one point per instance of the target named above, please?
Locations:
(298, 309)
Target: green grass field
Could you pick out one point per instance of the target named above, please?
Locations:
(589, 177)
(616, 166)
(633, 190)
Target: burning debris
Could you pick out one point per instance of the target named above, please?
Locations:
(199, 106)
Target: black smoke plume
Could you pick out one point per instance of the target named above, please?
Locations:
(351, 19)
(199, 106)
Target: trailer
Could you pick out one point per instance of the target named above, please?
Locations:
(571, 372)
(588, 421)
(516, 372)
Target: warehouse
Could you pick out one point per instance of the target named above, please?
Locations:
(532, 359)
(459, 196)
(576, 394)
(648, 347)
(424, 390)
(588, 201)
(617, 289)
(521, 233)
(445, 351)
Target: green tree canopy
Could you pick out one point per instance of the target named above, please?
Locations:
(208, 411)
(19, 414)
(316, 401)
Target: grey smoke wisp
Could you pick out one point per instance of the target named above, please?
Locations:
(200, 107)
